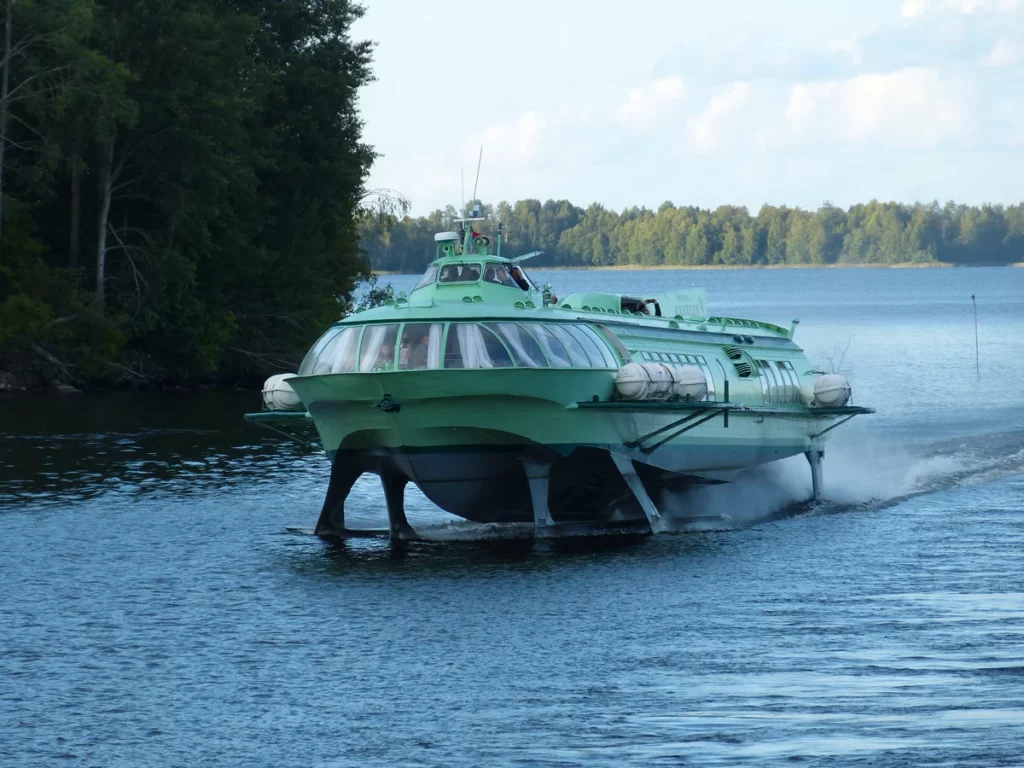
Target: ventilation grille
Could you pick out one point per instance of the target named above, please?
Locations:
(743, 369)
(734, 353)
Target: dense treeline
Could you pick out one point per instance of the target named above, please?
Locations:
(874, 233)
(182, 182)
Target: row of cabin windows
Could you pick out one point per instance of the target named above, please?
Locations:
(414, 346)
(491, 272)
(673, 358)
(780, 383)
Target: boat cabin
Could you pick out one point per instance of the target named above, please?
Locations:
(458, 264)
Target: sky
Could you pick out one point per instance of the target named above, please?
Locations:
(716, 102)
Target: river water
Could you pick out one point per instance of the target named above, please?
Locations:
(155, 608)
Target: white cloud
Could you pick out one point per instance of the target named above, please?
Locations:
(910, 108)
(643, 106)
(913, 8)
(507, 143)
(704, 130)
(1005, 53)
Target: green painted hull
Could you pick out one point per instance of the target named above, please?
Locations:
(462, 436)
(501, 403)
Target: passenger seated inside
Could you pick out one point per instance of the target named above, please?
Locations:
(404, 353)
(497, 274)
(419, 354)
(385, 358)
(460, 273)
(520, 278)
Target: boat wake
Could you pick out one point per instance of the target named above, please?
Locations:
(860, 473)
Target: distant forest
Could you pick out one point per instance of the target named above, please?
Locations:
(872, 233)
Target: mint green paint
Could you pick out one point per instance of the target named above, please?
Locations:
(453, 408)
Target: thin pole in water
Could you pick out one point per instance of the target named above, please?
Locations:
(977, 359)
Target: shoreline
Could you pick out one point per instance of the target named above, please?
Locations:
(699, 267)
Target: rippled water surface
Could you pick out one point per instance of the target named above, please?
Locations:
(155, 609)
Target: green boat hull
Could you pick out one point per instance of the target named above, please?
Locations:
(467, 449)
(503, 403)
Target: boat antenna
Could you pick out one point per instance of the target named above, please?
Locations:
(478, 161)
(977, 358)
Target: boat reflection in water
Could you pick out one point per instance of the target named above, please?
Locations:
(503, 403)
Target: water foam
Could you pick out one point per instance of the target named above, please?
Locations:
(860, 471)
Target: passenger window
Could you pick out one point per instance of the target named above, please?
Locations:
(592, 350)
(791, 382)
(524, 347)
(420, 346)
(473, 346)
(553, 349)
(609, 359)
(763, 378)
(499, 357)
(343, 357)
(700, 361)
(377, 351)
(452, 350)
(306, 367)
(577, 354)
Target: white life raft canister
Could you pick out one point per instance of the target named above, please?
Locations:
(657, 381)
(690, 383)
(831, 390)
(278, 394)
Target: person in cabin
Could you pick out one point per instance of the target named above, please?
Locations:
(419, 354)
(385, 357)
(449, 273)
(404, 353)
(502, 277)
(520, 278)
(496, 274)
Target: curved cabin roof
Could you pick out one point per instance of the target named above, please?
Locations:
(459, 286)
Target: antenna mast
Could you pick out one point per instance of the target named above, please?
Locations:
(478, 161)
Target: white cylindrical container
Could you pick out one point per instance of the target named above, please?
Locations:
(644, 381)
(278, 394)
(660, 387)
(631, 381)
(690, 383)
(831, 390)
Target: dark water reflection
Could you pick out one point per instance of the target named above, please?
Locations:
(59, 449)
(155, 608)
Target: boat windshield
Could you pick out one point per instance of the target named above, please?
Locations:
(460, 273)
(498, 273)
(428, 278)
